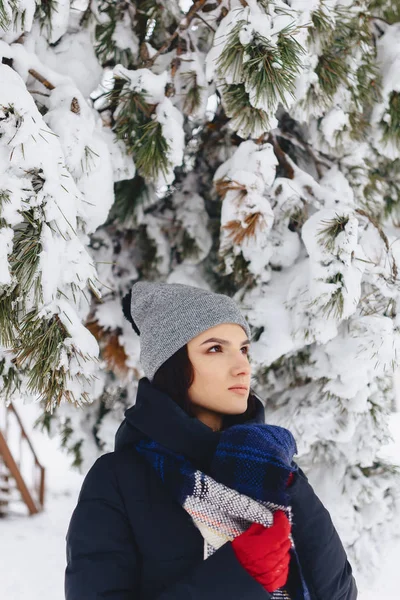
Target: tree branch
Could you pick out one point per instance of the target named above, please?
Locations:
(205, 22)
(281, 156)
(198, 5)
(375, 18)
(308, 148)
(383, 236)
(40, 78)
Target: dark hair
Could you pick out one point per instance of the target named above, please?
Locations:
(175, 376)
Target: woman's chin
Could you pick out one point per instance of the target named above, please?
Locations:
(236, 406)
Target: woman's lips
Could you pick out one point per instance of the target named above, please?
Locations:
(241, 391)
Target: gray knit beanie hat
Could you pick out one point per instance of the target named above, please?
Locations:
(168, 315)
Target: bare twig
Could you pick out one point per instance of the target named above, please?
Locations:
(205, 23)
(40, 78)
(40, 93)
(308, 148)
(281, 156)
(375, 18)
(86, 13)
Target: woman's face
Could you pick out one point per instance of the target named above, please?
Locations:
(220, 361)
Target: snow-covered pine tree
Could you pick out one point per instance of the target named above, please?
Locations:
(254, 148)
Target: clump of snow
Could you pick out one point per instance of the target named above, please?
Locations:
(191, 214)
(267, 22)
(388, 49)
(249, 173)
(152, 86)
(6, 239)
(31, 149)
(171, 120)
(144, 81)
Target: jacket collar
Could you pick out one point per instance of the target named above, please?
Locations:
(157, 416)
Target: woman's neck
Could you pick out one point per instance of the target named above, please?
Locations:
(212, 419)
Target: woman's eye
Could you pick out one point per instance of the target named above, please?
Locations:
(212, 347)
(246, 348)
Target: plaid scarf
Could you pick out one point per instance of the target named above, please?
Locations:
(246, 483)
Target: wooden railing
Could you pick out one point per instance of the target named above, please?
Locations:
(13, 441)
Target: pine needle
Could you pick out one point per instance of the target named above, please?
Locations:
(390, 124)
(329, 233)
(150, 151)
(246, 119)
(237, 233)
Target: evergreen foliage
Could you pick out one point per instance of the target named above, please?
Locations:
(252, 147)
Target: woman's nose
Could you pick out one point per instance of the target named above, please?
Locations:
(242, 365)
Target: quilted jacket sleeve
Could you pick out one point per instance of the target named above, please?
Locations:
(103, 560)
(323, 559)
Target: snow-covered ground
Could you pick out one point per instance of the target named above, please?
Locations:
(32, 549)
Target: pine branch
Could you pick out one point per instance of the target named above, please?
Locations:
(321, 22)
(391, 121)
(384, 183)
(335, 305)
(223, 186)
(10, 381)
(184, 24)
(329, 233)
(25, 257)
(66, 433)
(136, 125)
(192, 92)
(386, 11)
(231, 57)
(8, 319)
(151, 150)
(106, 48)
(237, 233)
(128, 195)
(268, 69)
(332, 70)
(383, 237)
(5, 18)
(245, 119)
(38, 348)
(5, 197)
(45, 10)
(24, 264)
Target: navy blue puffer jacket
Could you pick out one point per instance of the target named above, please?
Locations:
(129, 540)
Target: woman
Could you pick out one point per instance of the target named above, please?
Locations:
(200, 499)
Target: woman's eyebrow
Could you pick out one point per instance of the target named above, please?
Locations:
(223, 342)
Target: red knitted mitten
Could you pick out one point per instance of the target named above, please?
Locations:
(265, 551)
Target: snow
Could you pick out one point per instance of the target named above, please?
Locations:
(32, 549)
(35, 546)
(144, 82)
(6, 238)
(80, 159)
(388, 48)
(249, 174)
